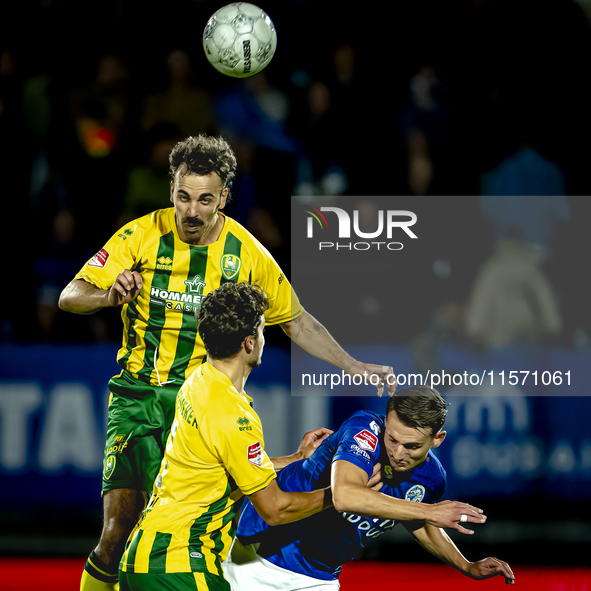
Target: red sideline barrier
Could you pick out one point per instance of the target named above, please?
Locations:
(63, 574)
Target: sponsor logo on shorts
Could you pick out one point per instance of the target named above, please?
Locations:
(110, 463)
(415, 493)
(255, 453)
(119, 444)
(99, 259)
(230, 265)
(366, 440)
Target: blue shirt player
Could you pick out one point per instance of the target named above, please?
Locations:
(309, 554)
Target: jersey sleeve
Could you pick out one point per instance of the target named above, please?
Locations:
(284, 304)
(241, 447)
(121, 252)
(358, 442)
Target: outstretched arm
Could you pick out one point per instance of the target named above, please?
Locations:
(81, 297)
(351, 494)
(436, 541)
(311, 336)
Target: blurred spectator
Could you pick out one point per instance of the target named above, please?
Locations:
(148, 183)
(94, 170)
(427, 122)
(101, 109)
(181, 103)
(62, 257)
(512, 301)
(528, 204)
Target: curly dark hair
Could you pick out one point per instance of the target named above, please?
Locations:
(203, 155)
(228, 315)
(419, 407)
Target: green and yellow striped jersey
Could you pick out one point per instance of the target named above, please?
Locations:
(216, 439)
(161, 344)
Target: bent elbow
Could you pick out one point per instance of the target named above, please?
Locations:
(275, 519)
(62, 303)
(340, 501)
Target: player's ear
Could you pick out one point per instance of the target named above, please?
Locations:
(249, 343)
(224, 198)
(439, 438)
(172, 191)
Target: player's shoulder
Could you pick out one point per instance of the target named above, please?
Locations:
(151, 226)
(213, 393)
(365, 419)
(161, 221)
(250, 243)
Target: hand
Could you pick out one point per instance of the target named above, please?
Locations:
(126, 288)
(375, 481)
(490, 567)
(448, 514)
(311, 441)
(376, 375)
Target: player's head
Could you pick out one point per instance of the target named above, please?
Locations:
(231, 318)
(202, 170)
(414, 421)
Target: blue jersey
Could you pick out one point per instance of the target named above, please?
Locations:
(319, 545)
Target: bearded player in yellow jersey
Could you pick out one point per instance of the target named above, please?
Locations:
(214, 454)
(159, 268)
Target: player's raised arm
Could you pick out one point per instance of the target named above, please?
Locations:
(313, 337)
(81, 297)
(277, 507)
(438, 543)
(351, 494)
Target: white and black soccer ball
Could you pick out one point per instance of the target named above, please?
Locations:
(239, 40)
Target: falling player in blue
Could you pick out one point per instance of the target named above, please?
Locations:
(308, 554)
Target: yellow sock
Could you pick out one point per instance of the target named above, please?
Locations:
(96, 576)
(89, 583)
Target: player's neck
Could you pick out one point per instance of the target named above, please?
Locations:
(236, 368)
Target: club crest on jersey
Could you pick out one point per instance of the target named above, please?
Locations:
(230, 265)
(255, 453)
(415, 493)
(99, 259)
(366, 440)
(109, 466)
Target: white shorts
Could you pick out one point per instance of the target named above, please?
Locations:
(262, 575)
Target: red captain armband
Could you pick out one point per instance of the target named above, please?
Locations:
(99, 259)
(366, 440)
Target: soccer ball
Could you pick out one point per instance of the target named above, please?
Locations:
(239, 40)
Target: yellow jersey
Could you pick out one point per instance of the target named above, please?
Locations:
(161, 344)
(216, 440)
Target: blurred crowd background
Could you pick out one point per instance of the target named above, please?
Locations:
(475, 111)
(429, 99)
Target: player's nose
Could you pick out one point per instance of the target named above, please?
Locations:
(398, 452)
